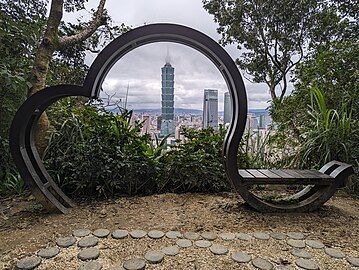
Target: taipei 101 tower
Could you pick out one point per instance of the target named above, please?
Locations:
(167, 125)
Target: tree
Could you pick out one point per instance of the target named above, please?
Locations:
(274, 35)
(54, 40)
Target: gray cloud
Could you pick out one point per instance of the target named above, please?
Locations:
(141, 68)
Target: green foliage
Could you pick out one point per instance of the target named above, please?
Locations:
(95, 152)
(196, 165)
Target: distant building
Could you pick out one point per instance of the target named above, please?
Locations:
(159, 122)
(167, 125)
(210, 108)
(227, 108)
(145, 124)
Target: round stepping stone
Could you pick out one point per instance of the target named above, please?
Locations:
(314, 244)
(173, 234)
(261, 236)
(138, 234)
(156, 234)
(296, 243)
(81, 232)
(241, 257)
(278, 236)
(243, 236)
(48, 253)
(66, 242)
(89, 254)
(262, 264)
(218, 249)
(92, 265)
(184, 243)
(191, 235)
(209, 236)
(284, 267)
(334, 253)
(306, 264)
(134, 264)
(301, 253)
(88, 241)
(202, 243)
(119, 234)
(154, 256)
(296, 235)
(227, 236)
(101, 233)
(28, 263)
(353, 261)
(171, 250)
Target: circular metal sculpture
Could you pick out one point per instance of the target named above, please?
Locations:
(45, 189)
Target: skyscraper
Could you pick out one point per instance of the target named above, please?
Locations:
(227, 108)
(168, 125)
(210, 108)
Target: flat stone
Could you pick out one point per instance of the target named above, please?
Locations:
(202, 243)
(119, 234)
(138, 234)
(89, 254)
(227, 236)
(334, 253)
(154, 256)
(278, 235)
(184, 243)
(353, 261)
(262, 264)
(88, 241)
(314, 244)
(296, 243)
(191, 235)
(81, 232)
(48, 253)
(134, 264)
(171, 250)
(218, 249)
(243, 236)
(155, 234)
(296, 235)
(284, 267)
(241, 257)
(301, 253)
(261, 236)
(28, 263)
(173, 234)
(209, 236)
(306, 264)
(66, 242)
(101, 233)
(92, 265)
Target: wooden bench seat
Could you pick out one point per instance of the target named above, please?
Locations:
(285, 177)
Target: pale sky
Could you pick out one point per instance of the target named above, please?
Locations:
(141, 68)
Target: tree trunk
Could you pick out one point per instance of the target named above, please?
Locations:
(39, 71)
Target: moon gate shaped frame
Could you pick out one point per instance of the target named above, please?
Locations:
(30, 165)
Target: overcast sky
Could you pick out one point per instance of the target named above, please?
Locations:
(141, 68)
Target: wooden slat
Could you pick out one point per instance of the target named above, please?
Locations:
(295, 174)
(245, 174)
(288, 181)
(282, 174)
(270, 174)
(318, 174)
(256, 173)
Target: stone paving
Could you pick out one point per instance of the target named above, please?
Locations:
(87, 246)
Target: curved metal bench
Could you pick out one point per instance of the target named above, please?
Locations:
(321, 185)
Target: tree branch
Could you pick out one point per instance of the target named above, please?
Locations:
(98, 20)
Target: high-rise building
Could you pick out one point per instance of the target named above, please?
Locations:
(167, 125)
(159, 122)
(210, 108)
(145, 124)
(227, 108)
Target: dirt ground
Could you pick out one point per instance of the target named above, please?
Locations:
(25, 227)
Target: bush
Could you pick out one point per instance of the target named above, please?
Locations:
(93, 152)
